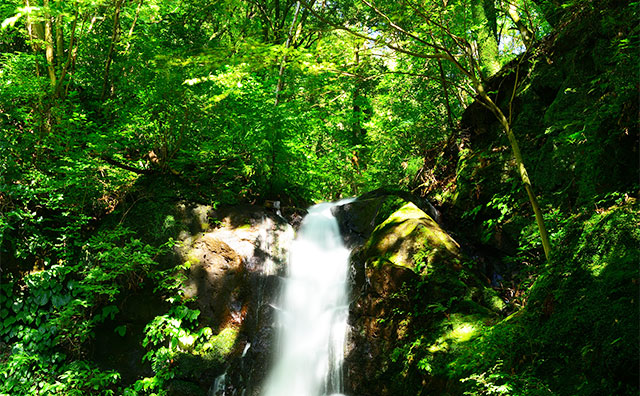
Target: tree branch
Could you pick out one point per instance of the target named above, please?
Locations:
(120, 165)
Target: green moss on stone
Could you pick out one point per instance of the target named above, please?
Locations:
(406, 232)
(220, 346)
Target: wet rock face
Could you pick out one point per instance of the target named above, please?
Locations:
(357, 220)
(395, 243)
(373, 334)
(234, 274)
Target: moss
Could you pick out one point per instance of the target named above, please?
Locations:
(457, 328)
(404, 233)
(578, 333)
(219, 346)
(388, 206)
(197, 362)
(492, 300)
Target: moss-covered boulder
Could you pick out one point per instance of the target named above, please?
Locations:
(359, 218)
(408, 275)
(410, 238)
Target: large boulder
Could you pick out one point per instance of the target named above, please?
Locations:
(410, 238)
(401, 260)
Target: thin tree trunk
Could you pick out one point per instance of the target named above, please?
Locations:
(32, 31)
(129, 37)
(357, 127)
(446, 95)
(486, 41)
(133, 25)
(280, 84)
(114, 38)
(283, 64)
(527, 34)
(59, 28)
(358, 131)
(70, 55)
(524, 176)
(74, 55)
(49, 54)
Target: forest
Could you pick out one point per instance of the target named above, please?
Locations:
(513, 123)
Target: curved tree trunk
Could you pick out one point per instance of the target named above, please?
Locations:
(522, 171)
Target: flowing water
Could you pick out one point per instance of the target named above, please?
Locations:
(312, 312)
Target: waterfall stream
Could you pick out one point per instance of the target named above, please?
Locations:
(312, 312)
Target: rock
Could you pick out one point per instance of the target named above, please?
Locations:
(395, 245)
(408, 236)
(234, 274)
(358, 219)
(215, 278)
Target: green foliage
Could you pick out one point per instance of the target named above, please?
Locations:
(179, 104)
(51, 318)
(591, 281)
(178, 352)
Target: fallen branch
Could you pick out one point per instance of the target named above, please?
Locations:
(120, 165)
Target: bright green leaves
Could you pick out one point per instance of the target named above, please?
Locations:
(177, 350)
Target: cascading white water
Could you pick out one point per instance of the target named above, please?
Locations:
(312, 316)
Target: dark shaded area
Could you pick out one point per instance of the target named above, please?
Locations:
(125, 353)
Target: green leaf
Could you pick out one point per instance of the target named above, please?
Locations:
(41, 298)
(17, 306)
(9, 321)
(60, 300)
(121, 330)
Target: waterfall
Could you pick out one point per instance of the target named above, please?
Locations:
(312, 312)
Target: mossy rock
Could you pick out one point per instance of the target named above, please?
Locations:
(413, 282)
(411, 239)
(359, 218)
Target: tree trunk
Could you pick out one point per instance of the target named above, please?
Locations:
(483, 12)
(71, 51)
(284, 58)
(114, 39)
(279, 86)
(446, 95)
(527, 34)
(133, 25)
(59, 34)
(49, 54)
(524, 176)
(357, 111)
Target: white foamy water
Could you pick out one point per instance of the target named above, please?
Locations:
(312, 312)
